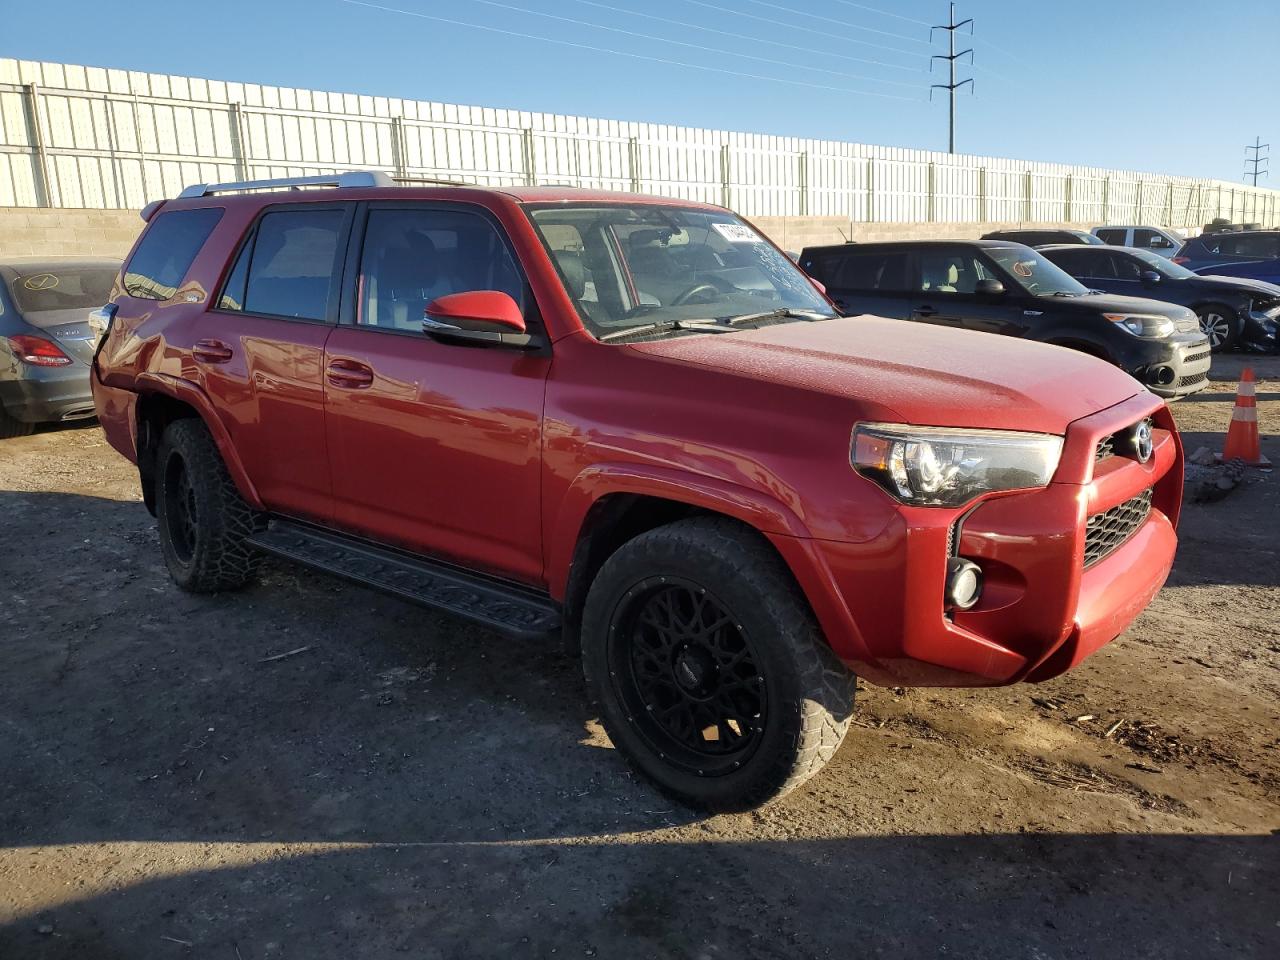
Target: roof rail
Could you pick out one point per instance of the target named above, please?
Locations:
(360, 178)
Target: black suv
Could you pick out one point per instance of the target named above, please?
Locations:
(1008, 288)
(1034, 238)
(1233, 311)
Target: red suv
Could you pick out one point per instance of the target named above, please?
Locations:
(632, 422)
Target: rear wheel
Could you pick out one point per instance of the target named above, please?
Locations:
(709, 671)
(1220, 324)
(204, 522)
(11, 427)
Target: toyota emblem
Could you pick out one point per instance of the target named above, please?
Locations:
(1142, 441)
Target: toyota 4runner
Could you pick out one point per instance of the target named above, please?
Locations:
(633, 423)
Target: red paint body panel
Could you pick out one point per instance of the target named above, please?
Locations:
(494, 458)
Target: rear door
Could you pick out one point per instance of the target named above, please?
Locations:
(260, 354)
(945, 292)
(435, 446)
(871, 281)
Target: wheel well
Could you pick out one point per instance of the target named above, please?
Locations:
(612, 521)
(155, 412)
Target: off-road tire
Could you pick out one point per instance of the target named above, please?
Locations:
(1227, 322)
(211, 553)
(810, 692)
(10, 427)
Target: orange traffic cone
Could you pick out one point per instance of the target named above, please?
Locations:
(1242, 436)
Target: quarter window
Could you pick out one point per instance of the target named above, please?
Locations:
(167, 251)
(412, 257)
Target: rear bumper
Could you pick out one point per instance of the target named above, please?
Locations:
(1042, 611)
(116, 415)
(48, 394)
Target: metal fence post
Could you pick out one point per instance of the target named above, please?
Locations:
(528, 158)
(1027, 208)
(1106, 199)
(803, 176)
(44, 194)
(930, 192)
(1066, 199)
(871, 190)
(239, 150)
(982, 194)
(398, 147)
(633, 158)
(725, 192)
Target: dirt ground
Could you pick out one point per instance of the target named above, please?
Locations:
(409, 786)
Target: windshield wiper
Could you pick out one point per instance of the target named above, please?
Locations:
(810, 315)
(664, 326)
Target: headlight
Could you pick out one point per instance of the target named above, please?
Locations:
(1149, 326)
(947, 467)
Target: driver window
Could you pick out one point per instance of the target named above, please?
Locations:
(949, 272)
(412, 257)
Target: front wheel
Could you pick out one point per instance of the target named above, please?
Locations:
(1221, 325)
(204, 522)
(709, 671)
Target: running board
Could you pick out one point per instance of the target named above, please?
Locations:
(511, 608)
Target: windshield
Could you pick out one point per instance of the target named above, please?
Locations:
(1034, 274)
(639, 265)
(81, 288)
(1163, 265)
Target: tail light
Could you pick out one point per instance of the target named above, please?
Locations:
(37, 351)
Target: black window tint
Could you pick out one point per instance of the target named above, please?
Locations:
(1114, 237)
(1128, 268)
(411, 257)
(1262, 246)
(293, 265)
(233, 290)
(167, 249)
(1084, 262)
(858, 271)
(893, 273)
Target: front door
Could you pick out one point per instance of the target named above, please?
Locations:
(946, 280)
(435, 446)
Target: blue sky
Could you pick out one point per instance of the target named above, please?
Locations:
(1178, 86)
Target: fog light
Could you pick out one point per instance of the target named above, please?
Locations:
(964, 583)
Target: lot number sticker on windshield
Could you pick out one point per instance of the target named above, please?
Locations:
(737, 233)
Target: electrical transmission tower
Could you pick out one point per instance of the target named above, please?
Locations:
(951, 57)
(1256, 160)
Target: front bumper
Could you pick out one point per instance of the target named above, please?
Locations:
(48, 394)
(1042, 610)
(1260, 330)
(1180, 369)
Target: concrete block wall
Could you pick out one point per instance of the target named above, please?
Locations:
(33, 231)
(45, 232)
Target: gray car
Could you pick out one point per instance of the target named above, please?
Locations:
(46, 344)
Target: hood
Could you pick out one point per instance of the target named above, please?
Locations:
(1118, 303)
(916, 373)
(1259, 289)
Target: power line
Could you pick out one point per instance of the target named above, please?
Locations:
(795, 26)
(1257, 158)
(883, 13)
(843, 23)
(951, 59)
(625, 53)
(684, 43)
(743, 36)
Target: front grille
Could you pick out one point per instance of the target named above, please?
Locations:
(1191, 379)
(1106, 448)
(1192, 358)
(1107, 531)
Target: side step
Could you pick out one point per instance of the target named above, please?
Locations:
(511, 608)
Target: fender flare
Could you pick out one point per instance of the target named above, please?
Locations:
(189, 393)
(760, 510)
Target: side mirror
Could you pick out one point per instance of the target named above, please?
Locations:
(989, 288)
(477, 316)
(1150, 277)
(822, 287)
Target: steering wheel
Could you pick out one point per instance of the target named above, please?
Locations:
(698, 288)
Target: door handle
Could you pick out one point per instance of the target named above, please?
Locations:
(926, 311)
(351, 374)
(211, 351)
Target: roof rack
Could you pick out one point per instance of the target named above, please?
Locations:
(361, 178)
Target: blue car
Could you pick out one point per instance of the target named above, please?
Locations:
(1253, 253)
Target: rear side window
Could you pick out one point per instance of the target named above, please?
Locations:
(1114, 237)
(1093, 264)
(1262, 246)
(58, 289)
(289, 266)
(878, 271)
(166, 252)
